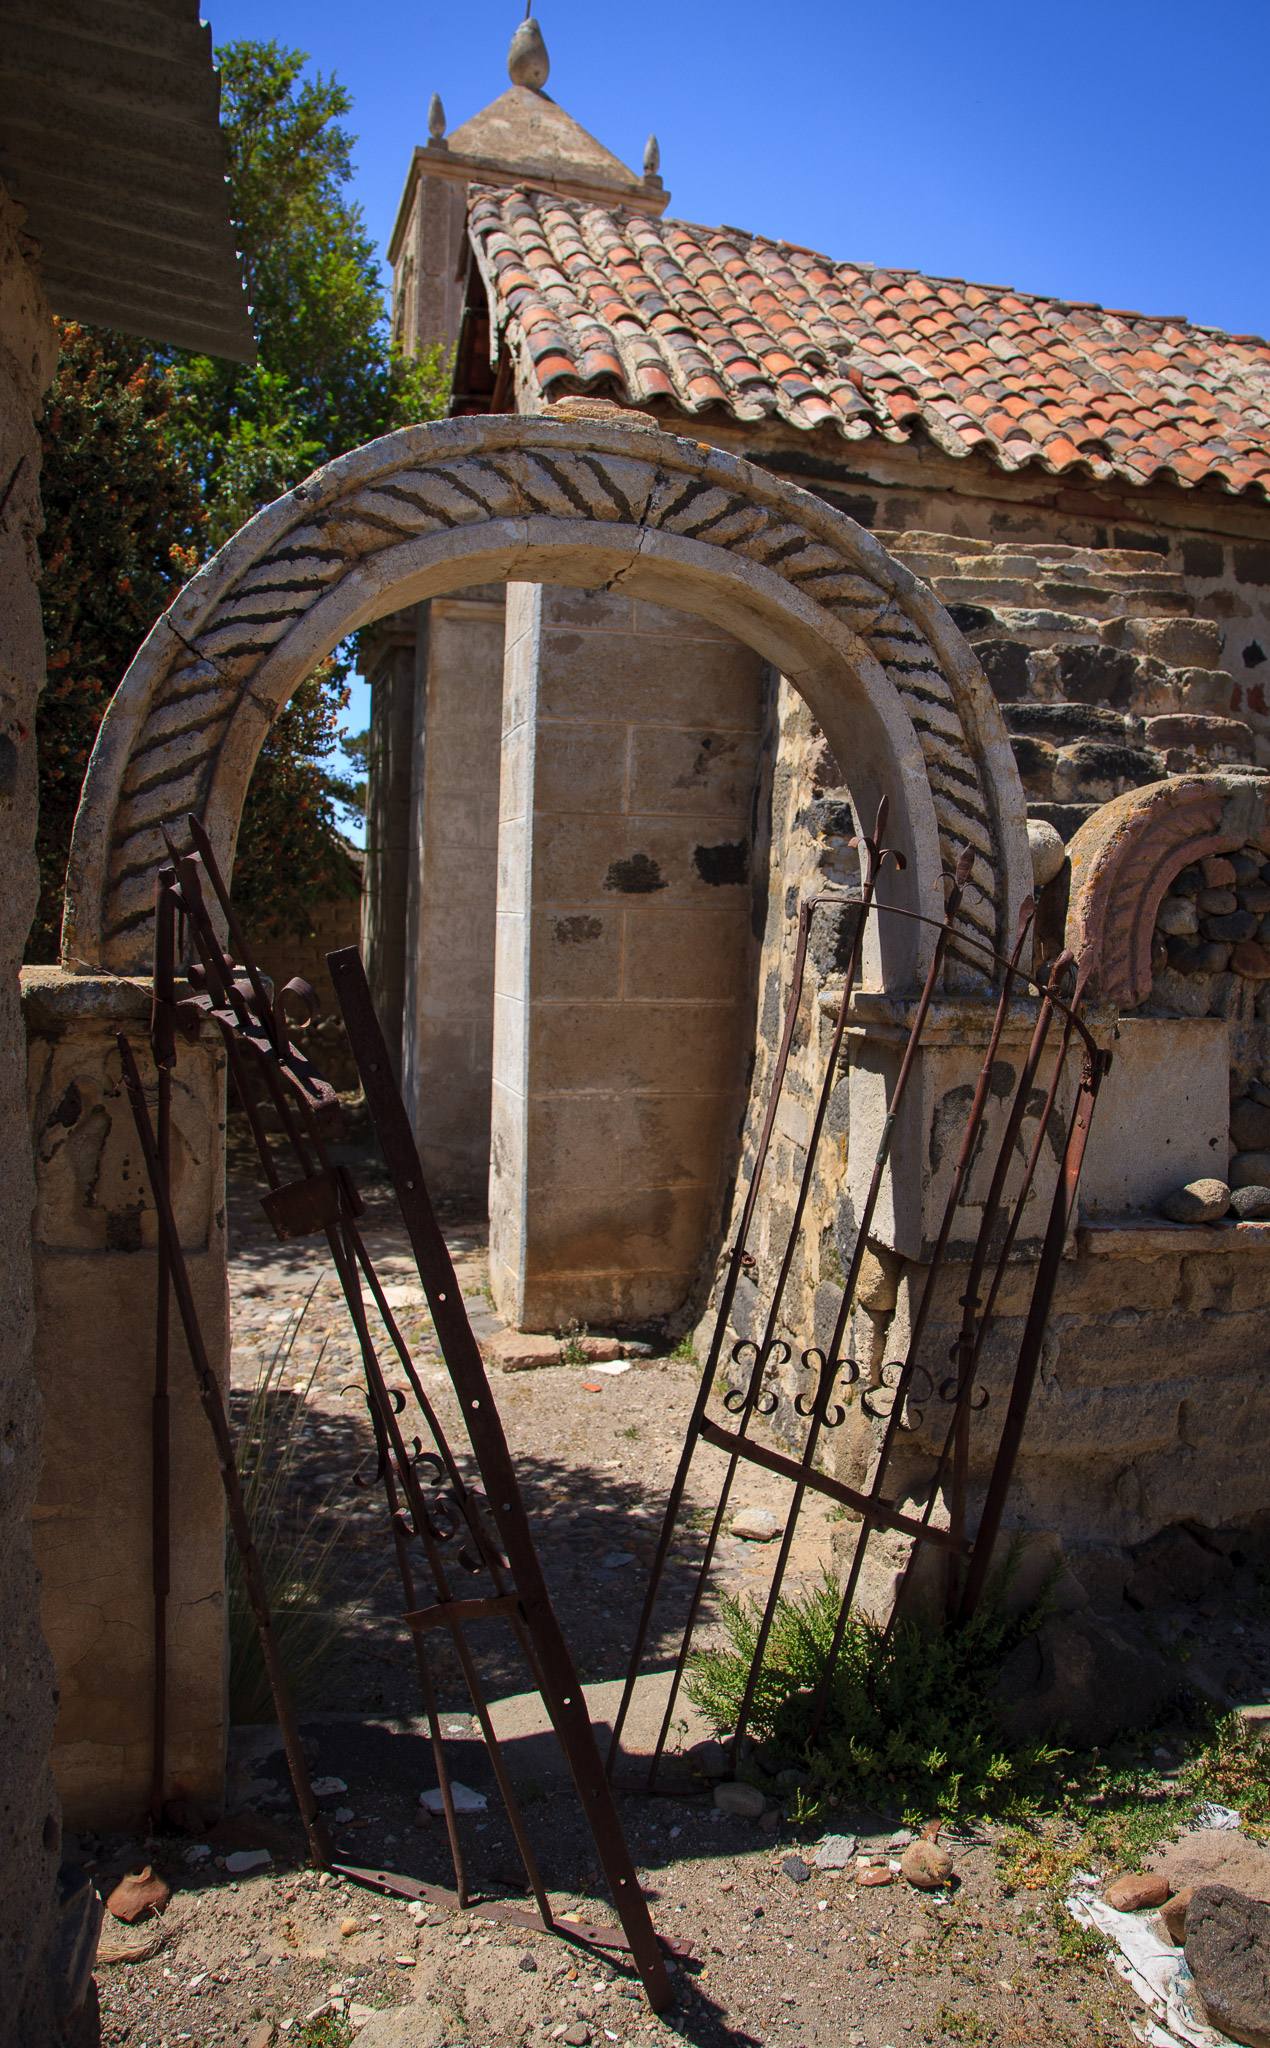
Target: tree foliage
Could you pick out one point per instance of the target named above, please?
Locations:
(327, 378)
(124, 526)
(153, 458)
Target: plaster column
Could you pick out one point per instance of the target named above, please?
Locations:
(94, 1361)
(623, 1006)
(390, 671)
(449, 969)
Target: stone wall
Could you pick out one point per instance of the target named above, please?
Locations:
(1217, 544)
(95, 1264)
(451, 897)
(30, 1826)
(1153, 1366)
(630, 745)
(1106, 678)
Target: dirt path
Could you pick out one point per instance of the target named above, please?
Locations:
(783, 1951)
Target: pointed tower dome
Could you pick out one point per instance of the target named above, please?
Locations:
(521, 138)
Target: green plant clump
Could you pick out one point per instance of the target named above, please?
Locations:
(909, 1721)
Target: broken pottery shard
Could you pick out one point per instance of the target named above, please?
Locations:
(757, 1525)
(834, 1852)
(877, 1873)
(1139, 1888)
(927, 1866)
(1173, 1914)
(247, 1859)
(1228, 1954)
(140, 1892)
(465, 1800)
(1200, 1201)
(744, 1800)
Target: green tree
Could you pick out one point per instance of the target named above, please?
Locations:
(154, 459)
(327, 378)
(124, 526)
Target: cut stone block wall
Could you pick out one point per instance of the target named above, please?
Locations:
(448, 1024)
(30, 1828)
(1217, 545)
(94, 1361)
(1162, 1120)
(631, 738)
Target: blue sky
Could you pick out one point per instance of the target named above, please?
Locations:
(1111, 151)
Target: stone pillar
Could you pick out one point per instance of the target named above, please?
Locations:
(30, 1831)
(623, 1009)
(390, 671)
(94, 1360)
(449, 970)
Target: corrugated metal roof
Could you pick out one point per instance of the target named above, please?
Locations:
(110, 138)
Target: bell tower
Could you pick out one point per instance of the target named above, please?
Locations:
(521, 138)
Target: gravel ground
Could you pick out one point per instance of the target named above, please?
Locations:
(777, 1957)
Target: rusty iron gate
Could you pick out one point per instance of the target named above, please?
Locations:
(430, 1509)
(892, 1400)
(484, 1531)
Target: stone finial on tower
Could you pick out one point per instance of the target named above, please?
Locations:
(652, 161)
(527, 60)
(436, 121)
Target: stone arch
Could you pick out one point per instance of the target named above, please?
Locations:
(1124, 858)
(898, 693)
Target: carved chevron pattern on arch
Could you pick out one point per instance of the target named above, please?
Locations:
(339, 521)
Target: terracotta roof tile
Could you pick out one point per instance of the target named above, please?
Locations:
(702, 317)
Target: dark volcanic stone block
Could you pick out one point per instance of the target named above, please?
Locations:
(1228, 1954)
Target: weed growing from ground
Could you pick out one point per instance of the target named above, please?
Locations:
(1110, 1815)
(909, 1721)
(332, 2030)
(571, 1351)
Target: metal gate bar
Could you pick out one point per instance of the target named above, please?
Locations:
(254, 1032)
(558, 1681)
(959, 1391)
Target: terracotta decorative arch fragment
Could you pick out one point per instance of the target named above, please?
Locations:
(1124, 858)
(901, 698)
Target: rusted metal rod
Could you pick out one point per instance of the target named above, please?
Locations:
(876, 853)
(561, 1691)
(214, 1408)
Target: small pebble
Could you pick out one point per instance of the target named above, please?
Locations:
(795, 1869)
(348, 1927)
